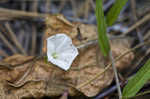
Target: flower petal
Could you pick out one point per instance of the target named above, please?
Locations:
(60, 64)
(65, 50)
(50, 46)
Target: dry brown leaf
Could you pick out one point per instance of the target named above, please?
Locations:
(43, 80)
(48, 80)
(91, 56)
(35, 78)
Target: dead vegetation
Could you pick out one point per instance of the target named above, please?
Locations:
(26, 24)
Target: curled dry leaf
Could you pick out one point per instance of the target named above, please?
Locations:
(34, 78)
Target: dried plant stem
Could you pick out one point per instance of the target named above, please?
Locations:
(92, 4)
(87, 8)
(34, 36)
(19, 14)
(23, 5)
(74, 6)
(92, 42)
(137, 24)
(143, 93)
(95, 41)
(7, 43)
(34, 31)
(116, 75)
(47, 6)
(62, 4)
(14, 38)
(109, 65)
(135, 18)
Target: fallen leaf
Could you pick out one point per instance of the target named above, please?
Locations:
(33, 77)
(90, 57)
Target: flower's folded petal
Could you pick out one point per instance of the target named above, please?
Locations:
(67, 57)
(70, 49)
(61, 64)
(70, 52)
(65, 41)
(50, 46)
(56, 40)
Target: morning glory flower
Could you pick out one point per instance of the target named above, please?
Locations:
(60, 51)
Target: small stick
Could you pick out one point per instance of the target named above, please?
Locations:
(19, 14)
(92, 4)
(87, 8)
(23, 5)
(47, 6)
(14, 38)
(34, 31)
(137, 24)
(7, 43)
(116, 75)
(74, 6)
(135, 18)
(92, 42)
(62, 4)
(95, 41)
(108, 5)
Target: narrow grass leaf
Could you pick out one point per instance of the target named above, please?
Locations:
(137, 82)
(101, 23)
(115, 11)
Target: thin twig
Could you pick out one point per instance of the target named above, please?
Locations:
(92, 4)
(22, 32)
(62, 4)
(14, 38)
(116, 75)
(3, 18)
(74, 6)
(19, 14)
(108, 5)
(87, 8)
(2, 37)
(142, 93)
(135, 18)
(138, 23)
(92, 42)
(47, 6)
(23, 5)
(95, 41)
(34, 31)
(105, 93)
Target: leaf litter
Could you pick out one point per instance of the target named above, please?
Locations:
(33, 77)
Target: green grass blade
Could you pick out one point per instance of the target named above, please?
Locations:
(115, 11)
(101, 23)
(137, 82)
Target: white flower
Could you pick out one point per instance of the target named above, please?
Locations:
(61, 51)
